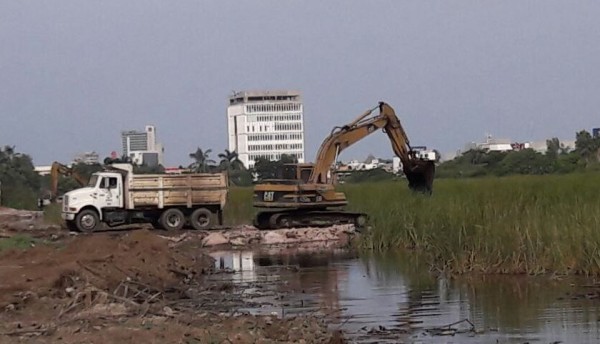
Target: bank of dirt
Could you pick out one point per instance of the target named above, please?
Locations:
(126, 288)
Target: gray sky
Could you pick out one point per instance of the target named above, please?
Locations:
(73, 74)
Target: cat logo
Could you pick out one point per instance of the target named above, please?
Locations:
(268, 196)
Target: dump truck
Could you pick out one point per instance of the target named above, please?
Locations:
(117, 196)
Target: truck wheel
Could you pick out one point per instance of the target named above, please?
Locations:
(201, 218)
(172, 219)
(87, 221)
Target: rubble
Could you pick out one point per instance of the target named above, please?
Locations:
(20, 221)
(248, 236)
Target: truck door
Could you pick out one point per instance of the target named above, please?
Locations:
(110, 192)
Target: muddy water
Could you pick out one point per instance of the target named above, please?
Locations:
(376, 299)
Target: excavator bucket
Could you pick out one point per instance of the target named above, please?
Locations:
(420, 176)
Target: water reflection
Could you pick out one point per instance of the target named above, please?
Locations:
(398, 294)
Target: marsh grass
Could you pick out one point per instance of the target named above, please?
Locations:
(52, 214)
(520, 224)
(239, 210)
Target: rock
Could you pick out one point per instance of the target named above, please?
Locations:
(215, 239)
(239, 241)
(168, 311)
(272, 238)
(291, 235)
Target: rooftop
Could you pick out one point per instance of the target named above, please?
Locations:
(264, 95)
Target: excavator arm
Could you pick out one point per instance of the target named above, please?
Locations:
(418, 172)
(60, 169)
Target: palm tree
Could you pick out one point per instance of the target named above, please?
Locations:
(230, 161)
(201, 160)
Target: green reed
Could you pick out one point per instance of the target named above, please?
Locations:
(520, 224)
(239, 210)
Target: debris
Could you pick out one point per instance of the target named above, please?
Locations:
(448, 330)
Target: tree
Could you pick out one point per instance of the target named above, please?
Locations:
(230, 161)
(586, 146)
(18, 179)
(202, 161)
(264, 168)
(553, 148)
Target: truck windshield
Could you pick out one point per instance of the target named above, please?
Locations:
(93, 181)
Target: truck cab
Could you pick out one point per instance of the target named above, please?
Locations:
(104, 190)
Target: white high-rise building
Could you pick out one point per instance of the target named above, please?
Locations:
(141, 146)
(266, 124)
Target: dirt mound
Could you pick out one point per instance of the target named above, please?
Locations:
(127, 288)
(103, 261)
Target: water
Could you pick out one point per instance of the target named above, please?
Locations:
(394, 298)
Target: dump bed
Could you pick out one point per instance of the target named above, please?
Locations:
(164, 190)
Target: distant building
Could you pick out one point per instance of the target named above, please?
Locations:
(505, 145)
(266, 124)
(88, 158)
(542, 146)
(43, 170)
(491, 144)
(595, 132)
(141, 146)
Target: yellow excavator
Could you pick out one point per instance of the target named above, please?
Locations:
(60, 169)
(304, 194)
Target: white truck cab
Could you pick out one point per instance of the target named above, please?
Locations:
(104, 190)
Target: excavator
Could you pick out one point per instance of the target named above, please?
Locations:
(304, 194)
(60, 169)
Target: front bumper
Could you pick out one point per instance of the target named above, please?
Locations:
(68, 216)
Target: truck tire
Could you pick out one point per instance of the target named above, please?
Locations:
(202, 218)
(87, 221)
(172, 219)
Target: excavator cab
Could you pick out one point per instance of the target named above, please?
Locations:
(298, 173)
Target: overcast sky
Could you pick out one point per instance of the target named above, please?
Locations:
(73, 74)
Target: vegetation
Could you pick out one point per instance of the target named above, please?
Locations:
(202, 161)
(557, 160)
(267, 169)
(517, 224)
(19, 182)
(52, 214)
(239, 210)
(19, 242)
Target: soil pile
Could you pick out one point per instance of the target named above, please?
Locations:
(125, 288)
(102, 261)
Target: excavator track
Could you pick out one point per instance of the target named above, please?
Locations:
(295, 218)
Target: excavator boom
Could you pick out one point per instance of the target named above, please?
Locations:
(60, 169)
(418, 172)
